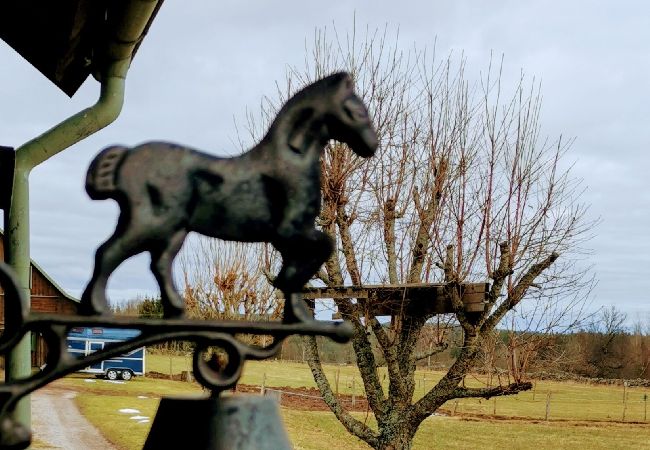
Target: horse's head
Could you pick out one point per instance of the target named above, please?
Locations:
(325, 109)
(347, 119)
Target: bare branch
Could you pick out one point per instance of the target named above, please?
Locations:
(389, 239)
(517, 293)
(391, 356)
(486, 393)
(351, 424)
(499, 276)
(343, 222)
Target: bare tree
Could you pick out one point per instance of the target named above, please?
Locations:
(603, 347)
(225, 280)
(462, 189)
(640, 350)
(530, 341)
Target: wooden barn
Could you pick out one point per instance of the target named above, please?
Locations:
(47, 297)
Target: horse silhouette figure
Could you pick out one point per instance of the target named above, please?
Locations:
(269, 194)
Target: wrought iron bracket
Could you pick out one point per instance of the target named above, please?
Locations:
(204, 334)
(269, 194)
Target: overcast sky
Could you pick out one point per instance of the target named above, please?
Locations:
(205, 62)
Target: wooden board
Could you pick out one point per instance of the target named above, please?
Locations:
(413, 299)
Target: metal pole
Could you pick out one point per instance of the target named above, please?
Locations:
(16, 223)
(29, 156)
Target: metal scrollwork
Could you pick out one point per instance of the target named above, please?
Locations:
(268, 194)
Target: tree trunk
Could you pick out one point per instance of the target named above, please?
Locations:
(399, 436)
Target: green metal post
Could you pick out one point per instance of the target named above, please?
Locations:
(28, 156)
(18, 363)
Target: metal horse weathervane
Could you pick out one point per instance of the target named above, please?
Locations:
(268, 194)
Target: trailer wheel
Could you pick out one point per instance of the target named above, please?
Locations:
(111, 374)
(127, 375)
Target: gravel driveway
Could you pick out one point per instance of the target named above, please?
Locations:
(58, 424)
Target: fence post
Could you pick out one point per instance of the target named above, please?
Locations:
(534, 388)
(353, 392)
(548, 406)
(453, 413)
(424, 383)
(336, 378)
(263, 388)
(624, 399)
(494, 407)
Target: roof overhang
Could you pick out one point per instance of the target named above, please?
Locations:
(66, 40)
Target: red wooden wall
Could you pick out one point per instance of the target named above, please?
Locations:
(45, 298)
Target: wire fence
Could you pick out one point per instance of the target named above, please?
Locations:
(548, 401)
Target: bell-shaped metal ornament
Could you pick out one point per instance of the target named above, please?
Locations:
(241, 422)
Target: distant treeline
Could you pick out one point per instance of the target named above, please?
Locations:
(605, 349)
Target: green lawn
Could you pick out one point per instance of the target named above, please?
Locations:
(103, 411)
(568, 401)
(321, 431)
(137, 386)
(581, 415)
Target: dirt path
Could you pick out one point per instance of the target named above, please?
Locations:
(58, 424)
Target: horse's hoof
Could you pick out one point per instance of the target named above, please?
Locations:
(88, 309)
(296, 309)
(93, 302)
(173, 312)
(280, 283)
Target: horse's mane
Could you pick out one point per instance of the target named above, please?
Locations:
(318, 90)
(322, 86)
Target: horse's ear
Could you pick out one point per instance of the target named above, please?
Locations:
(342, 83)
(346, 84)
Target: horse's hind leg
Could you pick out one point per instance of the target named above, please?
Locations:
(302, 256)
(162, 259)
(120, 246)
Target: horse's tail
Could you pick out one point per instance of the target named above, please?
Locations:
(102, 173)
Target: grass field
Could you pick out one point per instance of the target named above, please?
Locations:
(321, 431)
(580, 415)
(568, 400)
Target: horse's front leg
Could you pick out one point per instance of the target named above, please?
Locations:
(162, 258)
(302, 256)
(123, 244)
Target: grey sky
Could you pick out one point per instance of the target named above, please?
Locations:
(205, 62)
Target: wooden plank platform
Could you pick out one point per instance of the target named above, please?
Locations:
(413, 299)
